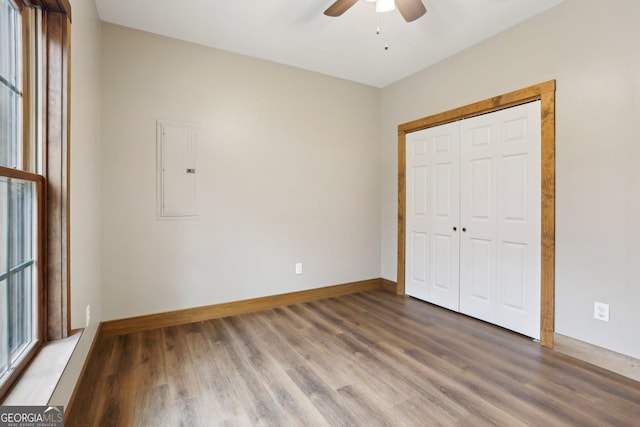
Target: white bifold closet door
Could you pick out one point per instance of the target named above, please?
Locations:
(433, 215)
(473, 217)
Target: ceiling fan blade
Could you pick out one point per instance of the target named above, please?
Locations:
(410, 9)
(339, 7)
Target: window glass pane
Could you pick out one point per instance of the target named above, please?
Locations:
(5, 38)
(4, 225)
(4, 330)
(20, 312)
(21, 222)
(4, 274)
(10, 125)
(10, 86)
(9, 42)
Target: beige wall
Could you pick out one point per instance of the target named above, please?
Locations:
(288, 171)
(591, 49)
(85, 186)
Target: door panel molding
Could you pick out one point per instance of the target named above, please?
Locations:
(545, 92)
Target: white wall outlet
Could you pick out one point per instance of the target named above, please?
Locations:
(88, 315)
(298, 268)
(601, 311)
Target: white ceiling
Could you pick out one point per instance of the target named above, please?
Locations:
(297, 33)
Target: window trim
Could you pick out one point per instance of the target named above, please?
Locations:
(60, 6)
(56, 155)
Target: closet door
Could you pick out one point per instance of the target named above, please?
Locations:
(500, 218)
(433, 209)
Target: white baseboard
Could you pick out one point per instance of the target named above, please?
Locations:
(615, 362)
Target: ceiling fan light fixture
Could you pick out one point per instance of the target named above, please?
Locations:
(409, 9)
(383, 6)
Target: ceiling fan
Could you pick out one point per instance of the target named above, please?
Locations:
(409, 9)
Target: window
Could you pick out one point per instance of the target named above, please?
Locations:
(33, 114)
(20, 205)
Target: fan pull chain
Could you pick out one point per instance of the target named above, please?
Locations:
(378, 31)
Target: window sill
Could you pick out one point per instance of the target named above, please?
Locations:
(39, 380)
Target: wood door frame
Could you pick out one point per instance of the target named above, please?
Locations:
(545, 93)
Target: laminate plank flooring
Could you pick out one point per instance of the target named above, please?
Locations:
(367, 359)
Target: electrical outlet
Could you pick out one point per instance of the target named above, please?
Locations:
(601, 311)
(88, 315)
(298, 268)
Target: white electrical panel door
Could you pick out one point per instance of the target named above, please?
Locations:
(176, 169)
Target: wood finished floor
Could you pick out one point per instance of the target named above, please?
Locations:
(368, 359)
